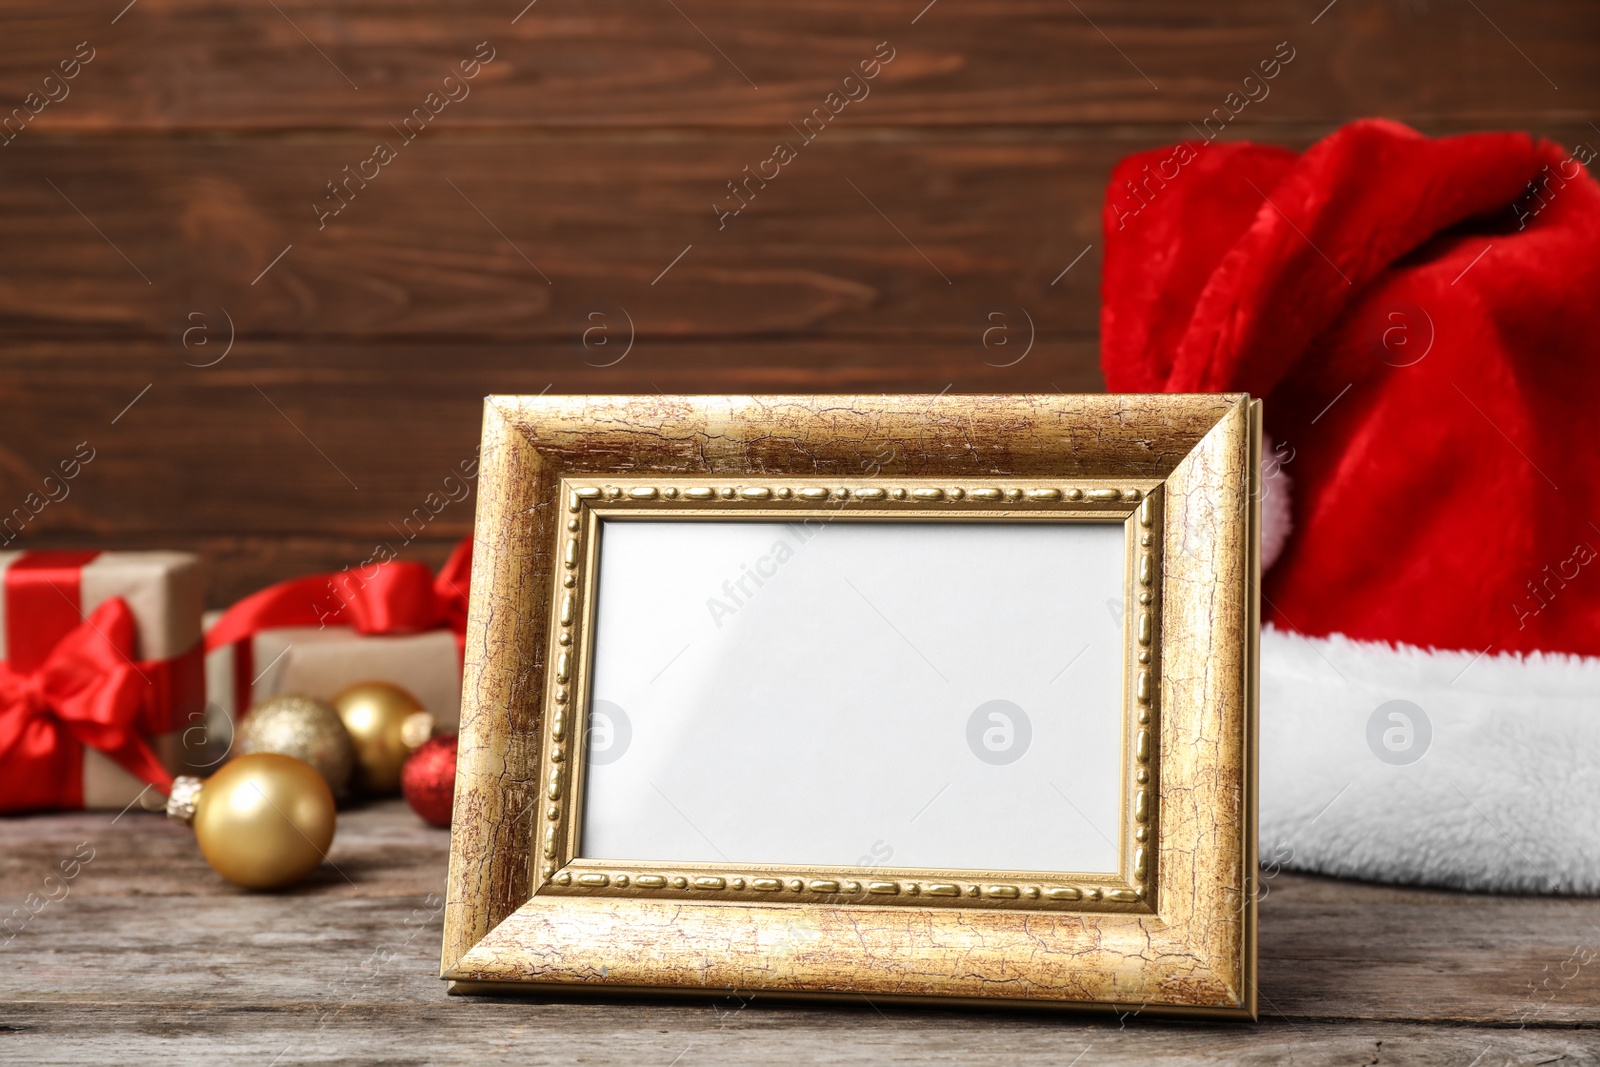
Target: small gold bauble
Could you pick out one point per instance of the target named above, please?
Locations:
(376, 714)
(304, 728)
(264, 821)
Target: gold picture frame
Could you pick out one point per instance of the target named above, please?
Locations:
(1173, 930)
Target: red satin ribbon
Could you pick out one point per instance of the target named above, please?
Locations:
(177, 697)
(397, 597)
(87, 692)
(43, 604)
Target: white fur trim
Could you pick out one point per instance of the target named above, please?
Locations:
(1506, 795)
(1275, 502)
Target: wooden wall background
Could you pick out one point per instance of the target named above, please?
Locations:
(186, 156)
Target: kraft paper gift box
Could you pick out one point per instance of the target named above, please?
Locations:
(392, 621)
(320, 662)
(102, 684)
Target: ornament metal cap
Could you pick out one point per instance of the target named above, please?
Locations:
(183, 798)
(417, 728)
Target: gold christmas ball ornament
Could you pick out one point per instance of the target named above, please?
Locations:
(386, 724)
(263, 821)
(304, 728)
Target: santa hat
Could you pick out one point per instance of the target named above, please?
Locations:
(1422, 319)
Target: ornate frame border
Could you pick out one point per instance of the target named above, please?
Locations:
(1178, 471)
(591, 501)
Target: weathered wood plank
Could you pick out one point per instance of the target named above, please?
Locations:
(199, 64)
(1331, 948)
(146, 922)
(646, 1033)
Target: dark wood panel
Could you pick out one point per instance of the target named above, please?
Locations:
(285, 458)
(494, 246)
(526, 238)
(905, 237)
(204, 64)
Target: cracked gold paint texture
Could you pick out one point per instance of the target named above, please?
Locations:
(1175, 933)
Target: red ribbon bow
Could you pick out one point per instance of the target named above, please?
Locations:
(87, 692)
(396, 597)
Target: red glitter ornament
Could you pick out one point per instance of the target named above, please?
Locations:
(429, 780)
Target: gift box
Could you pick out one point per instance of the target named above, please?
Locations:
(102, 677)
(320, 662)
(392, 621)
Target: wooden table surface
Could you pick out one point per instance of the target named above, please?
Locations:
(150, 958)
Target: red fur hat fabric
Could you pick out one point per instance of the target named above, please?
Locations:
(1421, 319)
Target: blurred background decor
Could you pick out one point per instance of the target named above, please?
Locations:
(289, 397)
